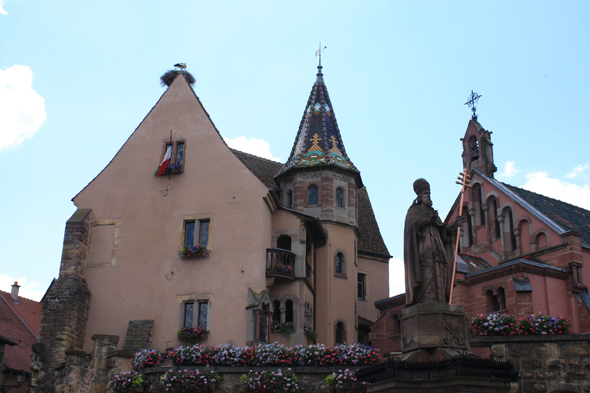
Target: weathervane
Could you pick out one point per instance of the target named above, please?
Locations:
(471, 101)
(319, 53)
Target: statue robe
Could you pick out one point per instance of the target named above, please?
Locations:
(428, 256)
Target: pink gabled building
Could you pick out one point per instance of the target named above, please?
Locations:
(284, 243)
(520, 252)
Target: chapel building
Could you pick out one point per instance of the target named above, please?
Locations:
(520, 253)
(294, 243)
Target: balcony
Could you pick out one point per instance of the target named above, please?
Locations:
(280, 264)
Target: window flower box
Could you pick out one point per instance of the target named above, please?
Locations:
(171, 170)
(197, 251)
(192, 335)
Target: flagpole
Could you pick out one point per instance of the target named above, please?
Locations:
(172, 146)
(464, 182)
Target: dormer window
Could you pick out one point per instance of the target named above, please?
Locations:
(339, 197)
(312, 196)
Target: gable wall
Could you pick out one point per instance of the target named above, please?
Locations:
(140, 284)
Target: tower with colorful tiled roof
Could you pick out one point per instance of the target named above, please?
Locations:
(319, 179)
(318, 163)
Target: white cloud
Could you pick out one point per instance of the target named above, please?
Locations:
(2, 10)
(541, 183)
(577, 171)
(34, 290)
(258, 147)
(22, 110)
(397, 277)
(509, 171)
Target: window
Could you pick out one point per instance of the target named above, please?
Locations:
(289, 311)
(276, 316)
(196, 232)
(493, 211)
(179, 153)
(340, 333)
(289, 198)
(362, 286)
(312, 196)
(339, 197)
(340, 264)
(195, 314)
(284, 242)
(176, 163)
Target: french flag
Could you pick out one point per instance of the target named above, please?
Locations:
(165, 161)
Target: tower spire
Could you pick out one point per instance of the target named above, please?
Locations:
(318, 141)
(318, 53)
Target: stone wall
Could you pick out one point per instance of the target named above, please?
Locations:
(311, 379)
(558, 363)
(65, 310)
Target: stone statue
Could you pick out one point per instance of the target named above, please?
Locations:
(428, 251)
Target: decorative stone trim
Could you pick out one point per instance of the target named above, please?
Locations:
(518, 268)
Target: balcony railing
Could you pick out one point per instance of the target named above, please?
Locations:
(280, 261)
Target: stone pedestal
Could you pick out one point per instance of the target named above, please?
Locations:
(434, 325)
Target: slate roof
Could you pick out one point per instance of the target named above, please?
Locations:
(263, 169)
(569, 217)
(318, 141)
(19, 322)
(370, 240)
(474, 264)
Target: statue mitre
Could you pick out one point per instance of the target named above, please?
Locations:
(420, 186)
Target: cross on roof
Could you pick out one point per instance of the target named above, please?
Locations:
(319, 53)
(471, 101)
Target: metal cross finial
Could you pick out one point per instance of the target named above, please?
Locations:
(319, 53)
(471, 101)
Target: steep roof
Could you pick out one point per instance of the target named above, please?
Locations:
(318, 141)
(263, 169)
(19, 322)
(370, 240)
(569, 217)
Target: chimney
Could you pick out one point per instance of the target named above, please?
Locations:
(14, 293)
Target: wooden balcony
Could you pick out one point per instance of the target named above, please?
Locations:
(280, 264)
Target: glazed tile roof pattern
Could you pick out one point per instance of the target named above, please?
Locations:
(569, 217)
(263, 169)
(474, 264)
(318, 140)
(370, 240)
(19, 322)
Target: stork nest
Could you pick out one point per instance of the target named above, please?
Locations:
(168, 77)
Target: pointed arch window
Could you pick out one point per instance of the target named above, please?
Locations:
(312, 196)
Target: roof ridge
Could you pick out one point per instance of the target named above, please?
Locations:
(19, 317)
(547, 197)
(20, 296)
(255, 156)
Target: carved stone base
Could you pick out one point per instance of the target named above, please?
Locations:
(434, 325)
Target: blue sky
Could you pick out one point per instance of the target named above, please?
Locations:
(76, 78)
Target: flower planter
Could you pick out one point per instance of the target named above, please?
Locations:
(204, 254)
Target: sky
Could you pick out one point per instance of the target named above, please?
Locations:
(77, 78)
